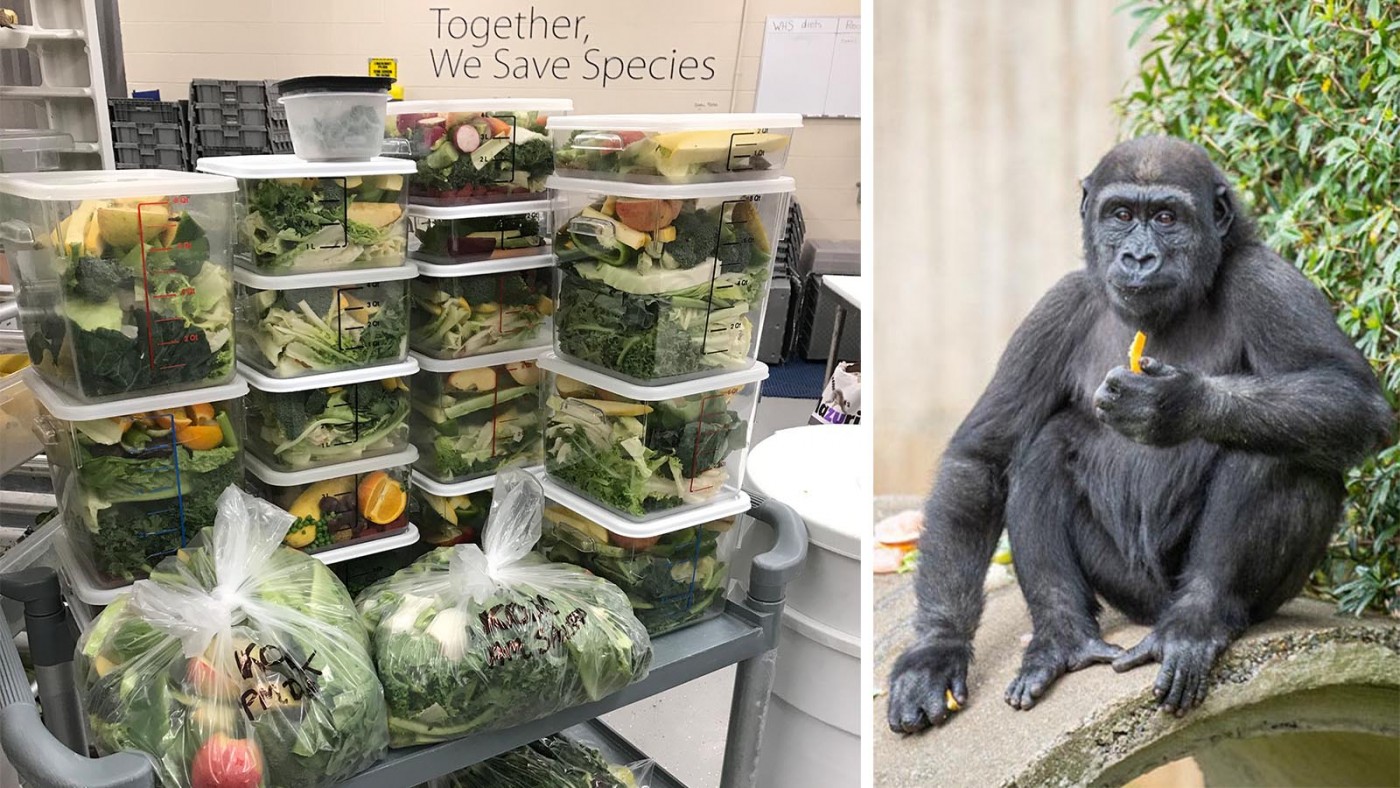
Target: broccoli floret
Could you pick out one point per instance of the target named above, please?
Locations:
(697, 234)
(95, 279)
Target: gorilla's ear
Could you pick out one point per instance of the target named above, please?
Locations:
(1224, 209)
(1083, 198)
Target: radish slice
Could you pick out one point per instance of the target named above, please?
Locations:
(432, 134)
(466, 138)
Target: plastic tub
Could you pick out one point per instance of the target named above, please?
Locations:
(123, 278)
(18, 411)
(643, 450)
(474, 416)
(450, 514)
(335, 118)
(674, 569)
(478, 233)
(297, 217)
(472, 151)
(137, 479)
(316, 420)
(472, 309)
(312, 323)
(659, 284)
(697, 148)
(341, 505)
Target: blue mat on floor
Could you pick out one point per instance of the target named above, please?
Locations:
(795, 379)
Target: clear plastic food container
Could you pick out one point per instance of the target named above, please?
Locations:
(477, 150)
(18, 411)
(449, 514)
(479, 233)
(472, 417)
(33, 150)
(315, 420)
(674, 569)
(664, 283)
(137, 479)
(472, 309)
(341, 505)
(699, 148)
(296, 217)
(335, 118)
(123, 278)
(643, 450)
(313, 323)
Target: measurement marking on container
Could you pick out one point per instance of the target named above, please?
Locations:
(695, 454)
(170, 320)
(145, 273)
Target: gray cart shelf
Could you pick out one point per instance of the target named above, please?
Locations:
(745, 635)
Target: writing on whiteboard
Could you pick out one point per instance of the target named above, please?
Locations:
(810, 65)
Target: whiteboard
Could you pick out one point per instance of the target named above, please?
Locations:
(810, 65)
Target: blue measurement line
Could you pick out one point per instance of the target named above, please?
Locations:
(179, 507)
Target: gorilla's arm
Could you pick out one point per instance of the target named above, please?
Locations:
(963, 515)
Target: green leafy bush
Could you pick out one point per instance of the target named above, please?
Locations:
(1298, 101)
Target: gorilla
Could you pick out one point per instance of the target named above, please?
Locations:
(1195, 496)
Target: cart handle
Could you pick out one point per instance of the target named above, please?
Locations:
(772, 571)
(39, 757)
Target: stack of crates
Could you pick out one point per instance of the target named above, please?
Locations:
(278, 134)
(148, 135)
(229, 117)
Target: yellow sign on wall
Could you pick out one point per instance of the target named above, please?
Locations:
(384, 67)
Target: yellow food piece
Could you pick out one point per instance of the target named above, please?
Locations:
(610, 205)
(308, 504)
(103, 666)
(568, 387)
(11, 363)
(545, 306)
(442, 506)
(302, 536)
(73, 230)
(480, 379)
(666, 234)
(524, 372)
(124, 226)
(560, 516)
(92, 240)
(952, 703)
(616, 409)
(200, 437)
(1135, 352)
(382, 499)
(374, 214)
(391, 182)
(715, 144)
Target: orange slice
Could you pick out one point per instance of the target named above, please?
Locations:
(199, 437)
(201, 412)
(382, 498)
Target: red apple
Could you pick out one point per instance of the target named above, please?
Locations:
(225, 762)
(207, 681)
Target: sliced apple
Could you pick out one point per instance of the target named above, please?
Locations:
(524, 372)
(374, 214)
(389, 183)
(125, 226)
(618, 409)
(568, 387)
(481, 379)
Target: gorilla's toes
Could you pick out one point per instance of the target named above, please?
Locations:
(1181, 683)
(1094, 652)
(1029, 685)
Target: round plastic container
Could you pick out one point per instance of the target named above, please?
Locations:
(122, 278)
(316, 420)
(336, 118)
(698, 148)
(474, 416)
(659, 284)
(471, 151)
(297, 217)
(342, 505)
(479, 233)
(313, 323)
(137, 479)
(472, 309)
(644, 450)
(450, 514)
(674, 569)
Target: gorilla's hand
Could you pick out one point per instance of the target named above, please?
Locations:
(1157, 408)
(920, 682)
(1186, 653)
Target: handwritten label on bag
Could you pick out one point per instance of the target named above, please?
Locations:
(551, 628)
(265, 665)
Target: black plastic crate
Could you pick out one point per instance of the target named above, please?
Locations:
(228, 91)
(229, 114)
(148, 133)
(134, 156)
(143, 111)
(281, 140)
(209, 138)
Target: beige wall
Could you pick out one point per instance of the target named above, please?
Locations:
(989, 113)
(169, 43)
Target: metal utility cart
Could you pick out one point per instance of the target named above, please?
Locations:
(48, 751)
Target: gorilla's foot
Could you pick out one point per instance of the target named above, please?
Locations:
(1047, 660)
(1186, 662)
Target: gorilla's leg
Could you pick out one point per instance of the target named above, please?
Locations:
(1264, 527)
(1043, 506)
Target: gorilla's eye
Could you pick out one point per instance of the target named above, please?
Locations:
(1165, 218)
(1123, 214)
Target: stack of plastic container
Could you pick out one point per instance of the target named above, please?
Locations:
(666, 227)
(126, 305)
(321, 292)
(481, 307)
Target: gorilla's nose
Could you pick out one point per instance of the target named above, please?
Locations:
(1138, 265)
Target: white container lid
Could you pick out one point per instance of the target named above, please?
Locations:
(285, 165)
(480, 267)
(111, 184)
(382, 544)
(258, 468)
(672, 191)
(482, 211)
(480, 105)
(698, 121)
(803, 468)
(344, 377)
(727, 505)
(758, 371)
(69, 409)
(429, 364)
(350, 276)
(433, 487)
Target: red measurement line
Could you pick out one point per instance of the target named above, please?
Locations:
(145, 278)
(170, 320)
(172, 366)
(495, 403)
(695, 455)
(163, 295)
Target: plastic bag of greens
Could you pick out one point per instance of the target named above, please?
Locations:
(552, 762)
(473, 638)
(239, 663)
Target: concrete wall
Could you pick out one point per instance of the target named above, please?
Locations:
(168, 44)
(988, 115)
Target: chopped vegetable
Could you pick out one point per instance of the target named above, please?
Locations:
(472, 422)
(469, 157)
(473, 315)
(293, 332)
(673, 156)
(301, 429)
(311, 224)
(1135, 352)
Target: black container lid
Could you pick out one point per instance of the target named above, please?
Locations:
(334, 84)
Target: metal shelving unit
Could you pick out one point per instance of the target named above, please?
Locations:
(745, 635)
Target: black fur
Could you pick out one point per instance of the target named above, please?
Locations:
(1195, 496)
